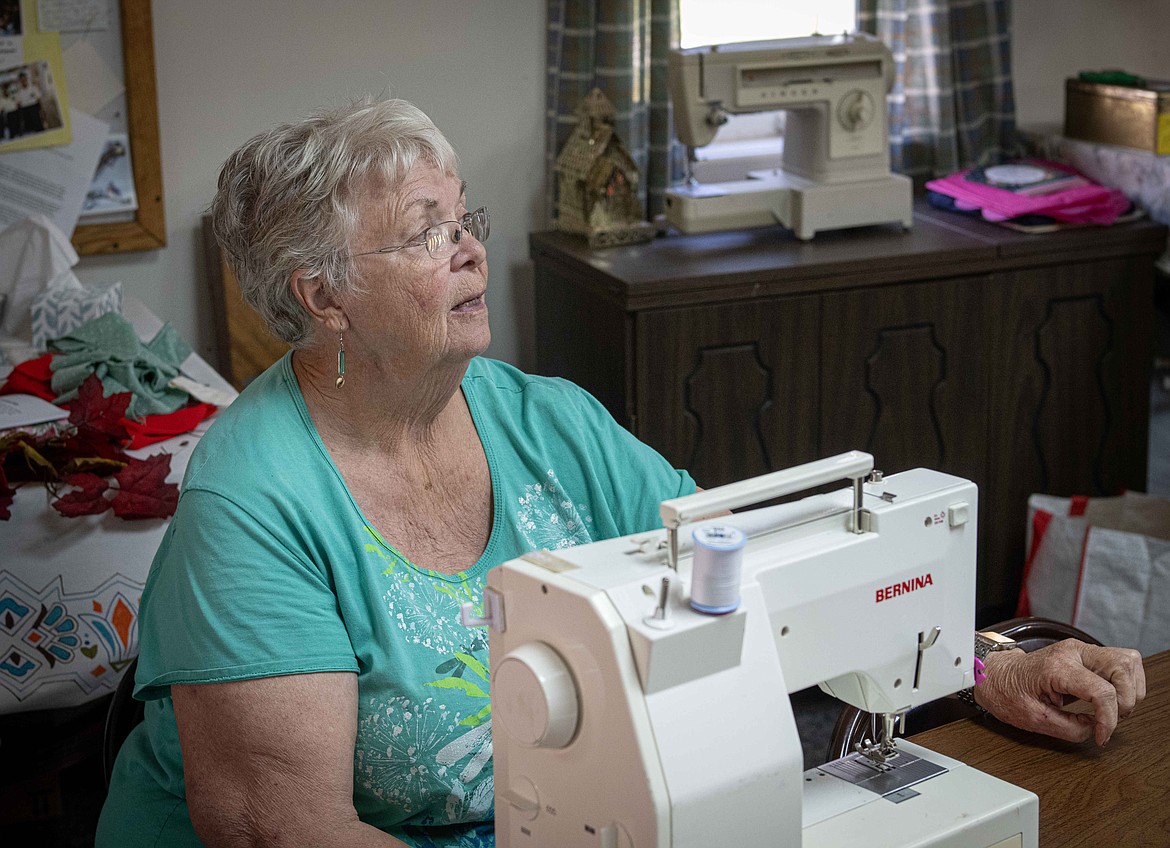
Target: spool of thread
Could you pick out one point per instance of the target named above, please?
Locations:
(716, 568)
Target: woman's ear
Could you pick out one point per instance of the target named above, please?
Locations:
(311, 293)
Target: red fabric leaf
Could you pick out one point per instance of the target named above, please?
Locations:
(88, 499)
(143, 491)
(89, 444)
(93, 412)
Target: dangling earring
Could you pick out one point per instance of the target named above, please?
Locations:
(340, 360)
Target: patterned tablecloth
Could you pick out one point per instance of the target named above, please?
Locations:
(1144, 177)
(70, 587)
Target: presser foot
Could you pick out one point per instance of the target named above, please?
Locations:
(881, 752)
(878, 753)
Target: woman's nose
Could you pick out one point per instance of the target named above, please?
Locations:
(470, 251)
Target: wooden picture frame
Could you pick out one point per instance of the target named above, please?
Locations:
(148, 230)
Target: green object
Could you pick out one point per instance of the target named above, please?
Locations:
(108, 347)
(1112, 78)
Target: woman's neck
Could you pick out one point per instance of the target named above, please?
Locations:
(388, 410)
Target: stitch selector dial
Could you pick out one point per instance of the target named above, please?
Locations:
(855, 110)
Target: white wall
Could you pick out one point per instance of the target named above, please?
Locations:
(227, 70)
(1054, 39)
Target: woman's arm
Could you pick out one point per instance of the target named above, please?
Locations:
(270, 761)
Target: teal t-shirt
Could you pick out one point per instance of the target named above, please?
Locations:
(270, 568)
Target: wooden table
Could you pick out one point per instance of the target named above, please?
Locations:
(1090, 796)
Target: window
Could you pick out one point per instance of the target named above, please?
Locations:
(748, 142)
(723, 21)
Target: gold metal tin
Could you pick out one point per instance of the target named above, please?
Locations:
(1117, 114)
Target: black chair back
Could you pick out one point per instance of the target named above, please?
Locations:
(125, 712)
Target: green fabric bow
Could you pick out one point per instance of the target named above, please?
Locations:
(108, 347)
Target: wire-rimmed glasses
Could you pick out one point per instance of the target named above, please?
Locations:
(442, 240)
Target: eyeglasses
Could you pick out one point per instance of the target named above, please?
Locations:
(442, 240)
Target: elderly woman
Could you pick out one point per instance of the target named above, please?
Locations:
(306, 677)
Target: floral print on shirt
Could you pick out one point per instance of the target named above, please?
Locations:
(548, 519)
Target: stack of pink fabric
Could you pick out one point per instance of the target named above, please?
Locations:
(1032, 187)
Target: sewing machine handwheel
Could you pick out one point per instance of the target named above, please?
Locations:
(534, 697)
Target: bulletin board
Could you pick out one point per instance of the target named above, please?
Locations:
(130, 47)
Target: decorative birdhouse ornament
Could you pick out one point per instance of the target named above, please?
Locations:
(598, 180)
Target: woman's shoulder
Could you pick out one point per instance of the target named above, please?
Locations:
(520, 403)
(261, 429)
(494, 376)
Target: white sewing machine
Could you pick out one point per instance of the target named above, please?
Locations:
(836, 164)
(623, 718)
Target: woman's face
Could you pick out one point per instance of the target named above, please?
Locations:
(417, 311)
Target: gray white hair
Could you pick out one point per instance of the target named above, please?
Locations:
(289, 199)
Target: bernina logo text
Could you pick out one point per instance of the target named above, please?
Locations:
(903, 588)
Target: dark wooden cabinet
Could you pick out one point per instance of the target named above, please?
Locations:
(1021, 362)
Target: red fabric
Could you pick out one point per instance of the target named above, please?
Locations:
(31, 377)
(158, 428)
(1040, 521)
(35, 376)
(1077, 505)
(1080, 575)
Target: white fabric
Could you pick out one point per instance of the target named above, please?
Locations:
(1143, 176)
(35, 257)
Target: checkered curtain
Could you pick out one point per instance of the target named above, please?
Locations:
(619, 46)
(952, 105)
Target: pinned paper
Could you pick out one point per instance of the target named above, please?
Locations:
(112, 190)
(53, 181)
(27, 410)
(83, 62)
(74, 15)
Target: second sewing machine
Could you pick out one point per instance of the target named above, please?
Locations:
(640, 685)
(835, 171)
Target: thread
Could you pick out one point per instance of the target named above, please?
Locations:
(716, 568)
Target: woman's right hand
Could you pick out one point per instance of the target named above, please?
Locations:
(1030, 690)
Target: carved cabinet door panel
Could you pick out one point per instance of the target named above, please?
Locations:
(1070, 364)
(904, 377)
(729, 391)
